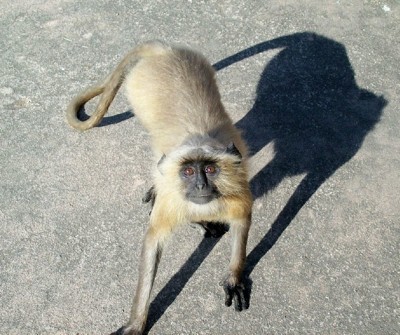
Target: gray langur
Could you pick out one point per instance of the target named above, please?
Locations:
(201, 176)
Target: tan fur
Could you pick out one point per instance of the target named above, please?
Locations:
(174, 94)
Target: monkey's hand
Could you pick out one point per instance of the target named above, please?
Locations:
(127, 331)
(235, 293)
(149, 196)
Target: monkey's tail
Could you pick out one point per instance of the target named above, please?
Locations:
(110, 87)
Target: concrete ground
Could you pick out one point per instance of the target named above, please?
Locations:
(315, 87)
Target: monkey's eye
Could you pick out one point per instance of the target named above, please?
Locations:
(189, 171)
(210, 169)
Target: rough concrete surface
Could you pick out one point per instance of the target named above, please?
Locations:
(315, 87)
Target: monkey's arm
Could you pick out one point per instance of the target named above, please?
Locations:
(149, 259)
(232, 284)
(161, 226)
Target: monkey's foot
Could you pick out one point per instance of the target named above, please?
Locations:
(235, 293)
(149, 196)
(213, 229)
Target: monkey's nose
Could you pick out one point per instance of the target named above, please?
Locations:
(201, 186)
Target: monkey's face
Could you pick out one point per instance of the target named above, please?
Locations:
(198, 177)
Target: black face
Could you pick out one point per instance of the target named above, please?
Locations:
(199, 178)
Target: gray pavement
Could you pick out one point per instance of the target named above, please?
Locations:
(315, 87)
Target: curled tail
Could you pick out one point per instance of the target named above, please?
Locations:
(109, 88)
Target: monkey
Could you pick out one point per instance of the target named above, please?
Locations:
(200, 170)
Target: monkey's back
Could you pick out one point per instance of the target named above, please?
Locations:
(174, 94)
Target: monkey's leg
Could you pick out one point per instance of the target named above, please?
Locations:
(233, 285)
(149, 259)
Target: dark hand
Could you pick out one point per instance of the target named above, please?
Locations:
(235, 293)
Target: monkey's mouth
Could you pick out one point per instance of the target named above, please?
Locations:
(202, 199)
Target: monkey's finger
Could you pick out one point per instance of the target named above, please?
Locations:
(120, 331)
(240, 299)
(147, 197)
(228, 295)
(237, 301)
(245, 303)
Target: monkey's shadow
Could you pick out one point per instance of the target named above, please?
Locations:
(309, 105)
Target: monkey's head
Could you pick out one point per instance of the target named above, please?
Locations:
(198, 176)
(204, 173)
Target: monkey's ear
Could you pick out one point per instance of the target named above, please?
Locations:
(160, 162)
(231, 149)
